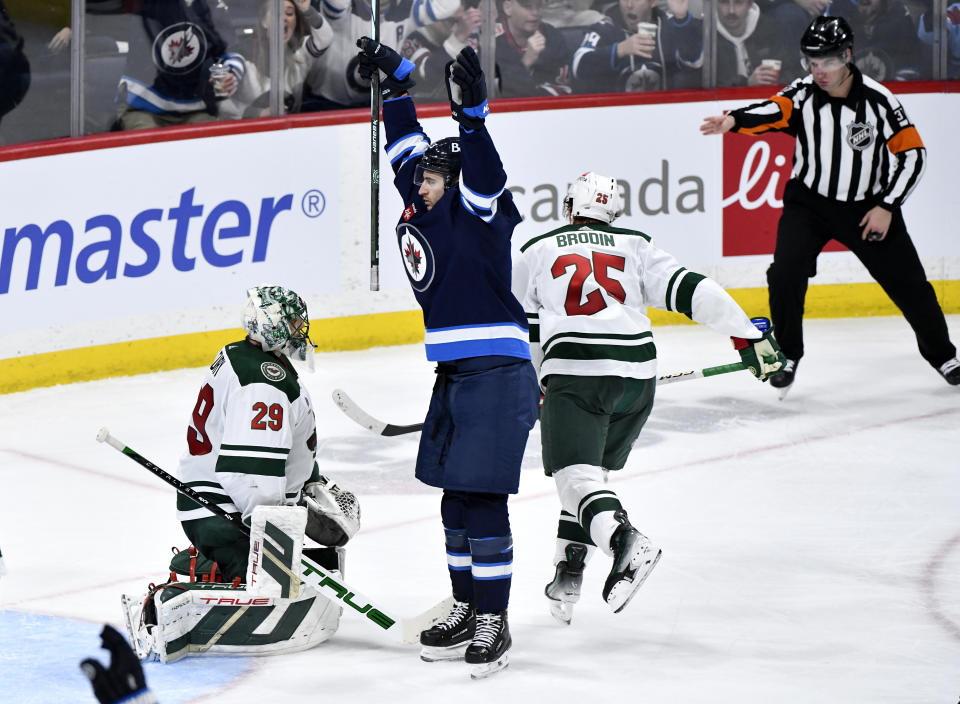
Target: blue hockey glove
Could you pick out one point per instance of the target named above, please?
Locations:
(124, 679)
(762, 357)
(373, 56)
(467, 89)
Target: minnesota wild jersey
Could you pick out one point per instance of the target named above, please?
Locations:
(252, 437)
(586, 289)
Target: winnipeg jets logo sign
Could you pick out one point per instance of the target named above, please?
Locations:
(860, 135)
(417, 256)
(180, 48)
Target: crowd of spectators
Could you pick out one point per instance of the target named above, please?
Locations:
(164, 62)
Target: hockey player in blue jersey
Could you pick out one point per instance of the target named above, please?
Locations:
(454, 238)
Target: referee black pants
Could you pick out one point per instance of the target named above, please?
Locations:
(808, 222)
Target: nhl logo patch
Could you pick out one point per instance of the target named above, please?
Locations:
(409, 212)
(273, 371)
(860, 135)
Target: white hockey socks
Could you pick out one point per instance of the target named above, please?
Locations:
(584, 494)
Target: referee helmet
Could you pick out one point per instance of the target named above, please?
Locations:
(826, 36)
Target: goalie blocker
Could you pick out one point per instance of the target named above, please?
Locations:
(273, 612)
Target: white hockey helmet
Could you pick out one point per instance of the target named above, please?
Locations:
(593, 196)
(277, 319)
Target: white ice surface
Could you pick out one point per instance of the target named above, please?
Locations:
(811, 546)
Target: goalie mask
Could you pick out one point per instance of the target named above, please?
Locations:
(442, 157)
(592, 196)
(276, 318)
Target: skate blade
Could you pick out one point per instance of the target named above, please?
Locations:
(484, 670)
(624, 590)
(562, 611)
(783, 391)
(430, 653)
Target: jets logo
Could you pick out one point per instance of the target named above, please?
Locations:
(860, 135)
(417, 256)
(180, 48)
(273, 371)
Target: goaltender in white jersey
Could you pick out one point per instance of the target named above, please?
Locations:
(585, 288)
(251, 444)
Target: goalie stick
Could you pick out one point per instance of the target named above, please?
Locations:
(406, 630)
(358, 415)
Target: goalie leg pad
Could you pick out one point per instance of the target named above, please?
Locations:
(276, 546)
(203, 619)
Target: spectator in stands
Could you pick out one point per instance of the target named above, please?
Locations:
(334, 80)
(179, 66)
(887, 45)
(925, 34)
(305, 37)
(640, 47)
(436, 44)
(532, 55)
(747, 42)
(14, 67)
(793, 16)
(571, 13)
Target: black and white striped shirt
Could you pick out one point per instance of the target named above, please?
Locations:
(850, 149)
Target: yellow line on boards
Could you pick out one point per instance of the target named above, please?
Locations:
(354, 332)
(382, 329)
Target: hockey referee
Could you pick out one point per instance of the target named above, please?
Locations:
(857, 159)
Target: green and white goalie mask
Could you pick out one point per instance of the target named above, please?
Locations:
(277, 319)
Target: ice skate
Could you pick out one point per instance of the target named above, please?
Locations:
(564, 591)
(634, 557)
(782, 381)
(950, 370)
(448, 639)
(487, 654)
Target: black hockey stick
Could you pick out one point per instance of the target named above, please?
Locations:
(312, 574)
(375, 156)
(358, 415)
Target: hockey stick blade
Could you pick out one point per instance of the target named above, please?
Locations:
(361, 417)
(312, 574)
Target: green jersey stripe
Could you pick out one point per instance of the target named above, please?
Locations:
(600, 336)
(619, 353)
(685, 292)
(251, 465)
(185, 503)
(256, 448)
(670, 285)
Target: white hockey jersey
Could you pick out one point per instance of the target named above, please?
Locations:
(252, 435)
(334, 75)
(586, 288)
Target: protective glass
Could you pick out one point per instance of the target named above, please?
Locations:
(826, 63)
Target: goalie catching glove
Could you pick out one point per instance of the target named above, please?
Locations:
(374, 56)
(762, 357)
(333, 515)
(467, 89)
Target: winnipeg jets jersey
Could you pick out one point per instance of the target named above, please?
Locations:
(457, 254)
(586, 288)
(252, 438)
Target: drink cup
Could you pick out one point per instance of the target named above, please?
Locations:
(218, 72)
(648, 28)
(774, 64)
